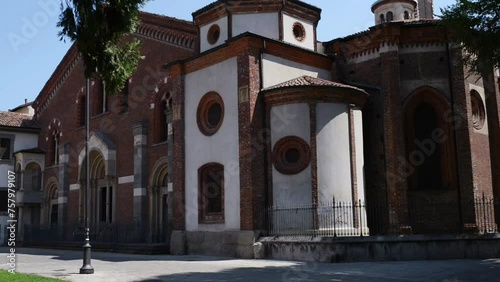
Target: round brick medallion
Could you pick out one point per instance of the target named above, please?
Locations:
(291, 155)
(213, 34)
(478, 111)
(210, 113)
(299, 32)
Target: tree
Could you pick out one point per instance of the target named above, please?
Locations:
(476, 24)
(98, 28)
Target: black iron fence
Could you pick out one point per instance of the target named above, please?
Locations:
(105, 233)
(418, 216)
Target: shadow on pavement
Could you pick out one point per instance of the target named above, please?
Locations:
(110, 257)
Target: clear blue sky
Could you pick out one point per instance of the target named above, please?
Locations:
(30, 48)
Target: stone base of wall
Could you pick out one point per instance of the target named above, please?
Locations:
(178, 242)
(382, 248)
(228, 243)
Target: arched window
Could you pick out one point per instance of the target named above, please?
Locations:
(211, 193)
(52, 206)
(390, 16)
(82, 111)
(430, 147)
(55, 147)
(100, 101)
(382, 18)
(161, 116)
(406, 15)
(161, 221)
(32, 177)
(125, 96)
(429, 171)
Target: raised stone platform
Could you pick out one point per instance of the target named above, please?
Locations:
(383, 248)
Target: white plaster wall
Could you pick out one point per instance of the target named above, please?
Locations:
(291, 120)
(360, 154)
(22, 141)
(397, 9)
(276, 70)
(222, 147)
(222, 23)
(25, 141)
(265, 24)
(333, 152)
(308, 42)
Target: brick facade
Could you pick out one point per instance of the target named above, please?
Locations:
(396, 64)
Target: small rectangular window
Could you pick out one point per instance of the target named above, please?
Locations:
(5, 149)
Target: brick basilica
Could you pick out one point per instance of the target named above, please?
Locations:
(243, 111)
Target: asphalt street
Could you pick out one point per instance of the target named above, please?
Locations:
(126, 267)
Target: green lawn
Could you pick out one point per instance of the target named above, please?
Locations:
(19, 277)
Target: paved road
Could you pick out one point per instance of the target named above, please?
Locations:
(111, 267)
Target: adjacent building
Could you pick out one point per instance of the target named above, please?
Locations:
(19, 136)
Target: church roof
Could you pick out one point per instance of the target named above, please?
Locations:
(32, 151)
(214, 4)
(11, 119)
(309, 81)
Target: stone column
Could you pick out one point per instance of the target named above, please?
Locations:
(170, 171)
(176, 85)
(140, 176)
(62, 197)
(20, 219)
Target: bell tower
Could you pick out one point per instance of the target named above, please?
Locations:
(425, 9)
(394, 10)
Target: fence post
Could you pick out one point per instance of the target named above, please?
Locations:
(334, 206)
(360, 212)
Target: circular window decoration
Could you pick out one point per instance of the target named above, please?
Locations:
(213, 34)
(210, 113)
(478, 112)
(299, 32)
(291, 155)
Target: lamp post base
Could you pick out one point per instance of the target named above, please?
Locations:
(87, 267)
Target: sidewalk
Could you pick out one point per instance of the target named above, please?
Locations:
(111, 267)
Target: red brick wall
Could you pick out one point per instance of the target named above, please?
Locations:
(117, 126)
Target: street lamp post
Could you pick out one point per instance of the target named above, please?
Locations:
(87, 266)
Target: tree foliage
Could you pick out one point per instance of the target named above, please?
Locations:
(476, 24)
(98, 28)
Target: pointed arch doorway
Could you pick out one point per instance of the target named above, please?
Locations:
(160, 207)
(101, 192)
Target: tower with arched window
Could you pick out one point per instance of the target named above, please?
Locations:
(389, 10)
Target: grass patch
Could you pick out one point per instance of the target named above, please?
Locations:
(19, 277)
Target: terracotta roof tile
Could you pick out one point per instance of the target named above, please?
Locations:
(311, 82)
(11, 119)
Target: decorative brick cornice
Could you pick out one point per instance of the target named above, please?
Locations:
(222, 8)
(249, 41)
(369, 43)
(321, 94)
(51, 88)
(168, 36)
(155, 27)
